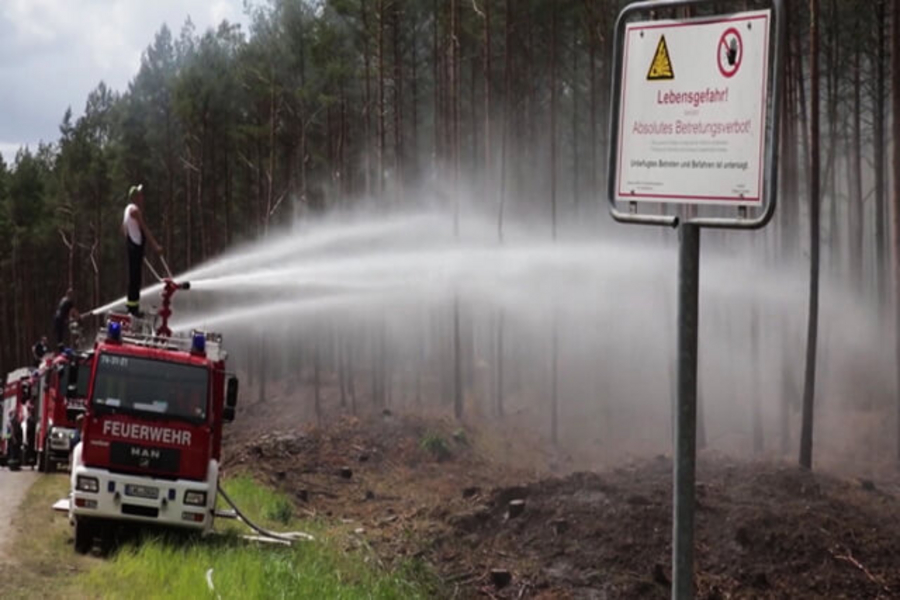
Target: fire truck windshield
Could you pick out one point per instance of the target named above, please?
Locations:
(127, 384)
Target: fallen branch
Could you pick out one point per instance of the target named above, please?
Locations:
(848, 558)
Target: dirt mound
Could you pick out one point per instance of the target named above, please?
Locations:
(762, 531)
(428, 488)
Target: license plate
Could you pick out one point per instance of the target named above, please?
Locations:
(142, 491)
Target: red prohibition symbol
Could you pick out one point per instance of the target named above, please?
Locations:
(730, 52)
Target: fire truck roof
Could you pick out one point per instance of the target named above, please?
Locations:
(139, 333)
(18, 374)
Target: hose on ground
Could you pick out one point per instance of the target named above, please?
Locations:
(288, 538)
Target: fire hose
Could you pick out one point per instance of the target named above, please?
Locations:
(287, 538)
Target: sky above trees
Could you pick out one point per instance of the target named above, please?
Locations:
(53, 52)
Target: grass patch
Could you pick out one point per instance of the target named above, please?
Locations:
(163, 569)
(167, 566)
(46, 564)
(436, 445)
(258, 502)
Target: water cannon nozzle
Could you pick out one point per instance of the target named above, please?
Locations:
(184, 285)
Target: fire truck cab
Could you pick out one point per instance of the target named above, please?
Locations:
(57, 409)
(16, 394)
(151, 434)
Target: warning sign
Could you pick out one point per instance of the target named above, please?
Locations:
(661, 67)
(699, 138)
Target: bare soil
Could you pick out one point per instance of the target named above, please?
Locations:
(426, 488)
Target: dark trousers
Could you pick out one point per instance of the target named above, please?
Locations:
(135, 267)
(59, 327)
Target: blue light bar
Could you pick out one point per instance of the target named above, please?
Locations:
(114, 331)
(199, 344)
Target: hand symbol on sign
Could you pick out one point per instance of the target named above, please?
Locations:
(731, 53)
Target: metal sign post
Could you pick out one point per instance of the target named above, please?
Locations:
(694, 121)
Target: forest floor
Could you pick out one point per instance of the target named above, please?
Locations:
(428, 488)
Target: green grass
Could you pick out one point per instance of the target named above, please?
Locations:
(162, 567)
(436, 445)
(258, 502)
(336, 565)
(41, 546)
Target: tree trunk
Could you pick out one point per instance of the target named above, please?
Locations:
(806, 433)
(457, 363)
(342, 372)
(398, 105)
(351, 383)
(879, 150)
(367, 109)
(553, 85)
(436, 77)
(488, 175)
(381, 130)
(270, 188)
(895, 53)
(554, 381)
(554, 376)
(414, 136)
(498, 389)
(592, 83)
(856, 198)
(317, 391)
(507, 98)
(756, 377)
(576, 200)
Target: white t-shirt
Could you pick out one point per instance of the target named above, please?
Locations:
(132, 227)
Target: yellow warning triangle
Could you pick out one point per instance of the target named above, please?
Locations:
(661, 67)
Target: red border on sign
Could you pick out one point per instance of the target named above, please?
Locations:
(623, 196)
(737, 64)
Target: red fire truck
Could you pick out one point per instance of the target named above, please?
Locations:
(152, 431)
(16, 394)
(57, 409)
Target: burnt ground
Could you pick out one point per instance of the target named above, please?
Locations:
(425, 488)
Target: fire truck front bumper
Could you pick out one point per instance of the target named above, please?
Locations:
(98, 493)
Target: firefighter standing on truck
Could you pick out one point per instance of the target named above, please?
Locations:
(135, 230)
(64, 311)
(39, 350)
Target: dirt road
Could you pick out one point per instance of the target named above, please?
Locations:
(13, 487)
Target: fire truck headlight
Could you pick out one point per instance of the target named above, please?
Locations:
(87, 484)
(195, 498)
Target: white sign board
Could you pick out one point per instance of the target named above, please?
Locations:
(693, 110)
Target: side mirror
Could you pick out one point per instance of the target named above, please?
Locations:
(72, 382)
(231, 394)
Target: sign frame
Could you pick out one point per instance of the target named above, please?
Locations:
(748, 217)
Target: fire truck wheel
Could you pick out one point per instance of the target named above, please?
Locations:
(84, 535)
(47, 458)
